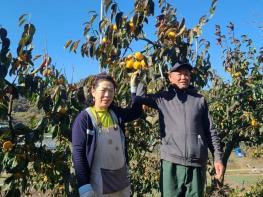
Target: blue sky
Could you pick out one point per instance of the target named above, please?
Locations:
(57, 21)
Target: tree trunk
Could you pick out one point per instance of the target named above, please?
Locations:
(216, 184)
(229, 147)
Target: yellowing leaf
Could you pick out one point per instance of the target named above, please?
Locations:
(181, 31)
(36, 57)
(67, 44)
(75, 46)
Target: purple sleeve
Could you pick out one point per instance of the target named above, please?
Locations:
(79, 145)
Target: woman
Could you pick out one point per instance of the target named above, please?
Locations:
(99, 143)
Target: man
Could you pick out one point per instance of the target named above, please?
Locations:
(186, 132)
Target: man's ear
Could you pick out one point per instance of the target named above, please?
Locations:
(169, 76)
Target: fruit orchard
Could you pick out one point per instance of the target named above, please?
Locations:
(235, 105)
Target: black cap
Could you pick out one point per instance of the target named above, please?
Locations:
(178, 65)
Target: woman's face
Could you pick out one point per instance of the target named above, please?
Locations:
(103, 94)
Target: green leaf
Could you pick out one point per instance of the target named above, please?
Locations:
(21, 22)
(121, 89)
(93, 18)
(182, 24)
(151, 87)
(74, 46)
(93, 39)
(190, 36)
(102, 24)
(152, 119)
(119, 76)
(89, 24)
(22, 19)
(118, 19)
(86, 29)
(84, 49)
(29, 29)
(54, 131)
(163, 52)
(212, 11)
(107, 4)
(92, 49)
(214, 3)
(3, 111)
(150, 7)
(41, 124)
(113, 10)
(212, 8)
(22, 16)
(160, 2)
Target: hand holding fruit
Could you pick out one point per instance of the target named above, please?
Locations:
(134, 77)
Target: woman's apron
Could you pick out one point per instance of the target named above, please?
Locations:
(109, 174)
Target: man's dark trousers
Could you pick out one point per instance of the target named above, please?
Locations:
(182, 181)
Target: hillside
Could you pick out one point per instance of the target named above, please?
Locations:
(24, 112)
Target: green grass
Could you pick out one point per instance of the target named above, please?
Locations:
(242, 180)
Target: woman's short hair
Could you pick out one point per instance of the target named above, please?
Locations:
(102, 77)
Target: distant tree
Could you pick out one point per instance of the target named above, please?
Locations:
(236, 105)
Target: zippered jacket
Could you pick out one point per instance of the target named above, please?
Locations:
(186, 128)
(84, 138)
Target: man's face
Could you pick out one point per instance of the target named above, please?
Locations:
(180, 78)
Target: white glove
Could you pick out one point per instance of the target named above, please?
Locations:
(86, 191)
(133, 81)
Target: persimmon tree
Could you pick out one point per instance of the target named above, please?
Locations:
(26, 163)
(111, 44)
(236, 104)
(29, 165)
(236, 117)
